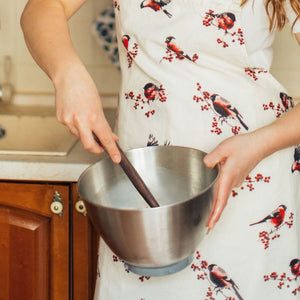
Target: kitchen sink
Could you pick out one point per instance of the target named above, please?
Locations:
(34, 135)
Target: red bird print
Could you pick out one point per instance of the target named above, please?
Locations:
(225, 110)
(173, 47)
(276, 217)
(125, 41)
(151, 91)
(221, 280)
(224, 20)
(295, 267)
(296, 163)
(286, 101)
(157, 5)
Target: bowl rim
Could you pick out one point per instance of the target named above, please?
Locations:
(106, 157)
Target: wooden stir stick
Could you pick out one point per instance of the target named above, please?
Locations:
(134, 177)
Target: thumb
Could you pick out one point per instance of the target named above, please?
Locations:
(213, 158)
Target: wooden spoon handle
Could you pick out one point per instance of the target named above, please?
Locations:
(134, 176)
(136, 179)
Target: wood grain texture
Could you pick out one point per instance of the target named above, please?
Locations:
(34, 242)
(85, 246)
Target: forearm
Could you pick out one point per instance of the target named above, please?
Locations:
(46, 32)
(78, 104)
(280, 134)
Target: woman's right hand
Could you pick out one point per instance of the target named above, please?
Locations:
(78, 106)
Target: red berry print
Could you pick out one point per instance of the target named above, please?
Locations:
(132, 54)
(278, 110)
(207, 101)
(216, 285)
(240, 36)
(169, 56)
(208, 19)
(116, 5)
(254, 72)
(152, 93)
(143, 278)
(282, 107)
(287, 281)
(224, 21)
(249, 183)
(215, 128)
(117, 260)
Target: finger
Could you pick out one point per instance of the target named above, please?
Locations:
(212, 209)
(223, 192)
(115, 137)
(74, 131)
(108, 141)
(88, 140)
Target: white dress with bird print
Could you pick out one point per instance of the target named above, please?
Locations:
(194, 73)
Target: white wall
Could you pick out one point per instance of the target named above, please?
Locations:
(28, 78)
(286, 62)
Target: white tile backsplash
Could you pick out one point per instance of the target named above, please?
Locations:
(27, 77)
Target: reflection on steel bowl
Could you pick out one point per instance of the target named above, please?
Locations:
(151, 241)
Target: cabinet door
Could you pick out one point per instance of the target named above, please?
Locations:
(34, 242)
(85, 248)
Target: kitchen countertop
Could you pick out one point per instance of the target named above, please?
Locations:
(50, 168)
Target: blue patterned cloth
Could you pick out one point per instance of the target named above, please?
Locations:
(103, 29)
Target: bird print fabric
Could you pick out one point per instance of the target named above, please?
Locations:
(295, 267)
(221, 280)
(171, 45)
(157, 5)
(223, 20)
(188, 80)
(296, 163)
(275, 218)
(273, 225)
(225, 110)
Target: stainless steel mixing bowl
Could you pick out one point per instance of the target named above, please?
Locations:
(151, 241)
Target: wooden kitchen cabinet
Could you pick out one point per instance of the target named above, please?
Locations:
(45, 253)
(85, 251)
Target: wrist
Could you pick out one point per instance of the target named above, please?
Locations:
(267, 140)
(66, 71)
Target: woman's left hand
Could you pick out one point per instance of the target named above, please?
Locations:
(236, 156)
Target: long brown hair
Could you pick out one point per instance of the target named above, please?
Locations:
(277, 16)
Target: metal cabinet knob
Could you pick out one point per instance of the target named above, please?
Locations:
(80, 207)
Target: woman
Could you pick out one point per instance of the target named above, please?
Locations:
(195, 73)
